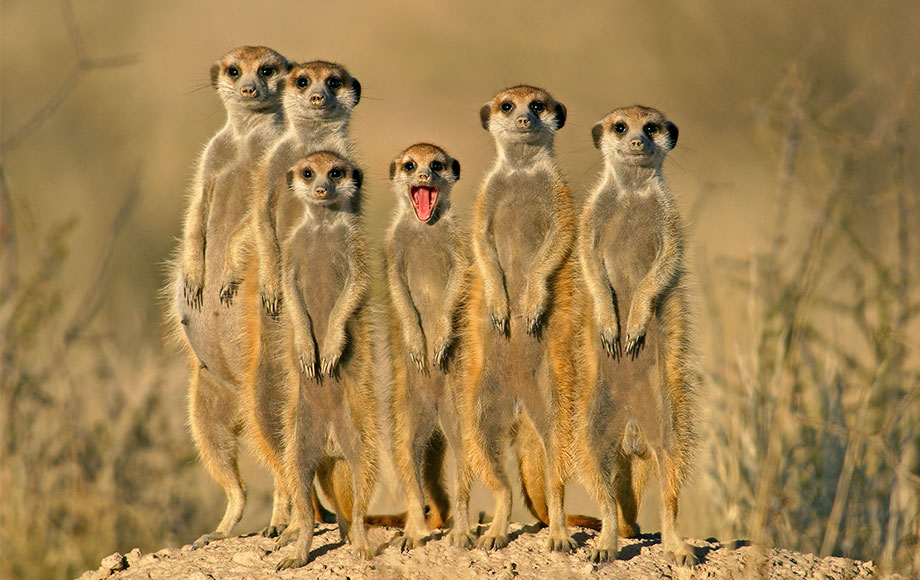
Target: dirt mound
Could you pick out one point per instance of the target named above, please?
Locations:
(252, 558)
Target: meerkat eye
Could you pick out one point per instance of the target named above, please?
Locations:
(650, 129)
(409, 165)
(334, 83)
(233, 71)
(336, 173)
(619, 128)
(302, 82)
(267, 71)
(437, 166)
(307, 174)
(537, 107)
(506, 106)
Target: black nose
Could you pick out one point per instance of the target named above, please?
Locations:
(523, 122)
(249, 91)
(317, 99)
(424, 177)
(636, 144)
(320, 192)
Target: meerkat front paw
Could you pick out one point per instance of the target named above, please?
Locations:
(307, 359)
(415, 347)
(498, 313)
(610, 340)
(534, 307)
(441, 350)
(269, 287)
(193, 286)
(331, 354)
(228, 290)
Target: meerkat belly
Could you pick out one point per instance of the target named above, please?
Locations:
(221, 335)
(427, 282)
(321, 264)
(630, 247)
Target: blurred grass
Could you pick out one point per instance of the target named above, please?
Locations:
(797, 170)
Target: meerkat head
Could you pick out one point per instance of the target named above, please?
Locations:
(250, 77)
(523, 114)
(320, 90)
(326, 179)
(636, 136)
(423, 175)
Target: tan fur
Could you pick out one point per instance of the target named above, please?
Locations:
(519, 329)
(638, 405)
(221, 337)
(331, 402)
(427, 266)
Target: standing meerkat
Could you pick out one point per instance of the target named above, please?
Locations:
(427, 268)
(317, 100)
(520, 323)
(331, 404)
(637, 407)
(249, 81)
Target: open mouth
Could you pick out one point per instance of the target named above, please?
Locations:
(423, 199)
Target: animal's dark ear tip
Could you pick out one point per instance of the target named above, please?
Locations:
(356, 87)
(358, 176)
(455, 167)
(672, 133)
(290, 178)
(392, 170)
(484, 113)
(597, 132)
(561, 115)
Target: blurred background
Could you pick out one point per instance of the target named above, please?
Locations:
(796, 174)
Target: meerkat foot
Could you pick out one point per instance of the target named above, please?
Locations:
(207, 539)
(286, 537)
(599, 555)
(406, 542)
(492, 541)
(273, 531)
(560, 543)
(288, 563)
(461, 539)
(683, 555)
(364, 550)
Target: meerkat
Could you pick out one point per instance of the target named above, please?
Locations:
(637, 407)
(331, 403)
(519, 330)
(427, 270)
(219, 340)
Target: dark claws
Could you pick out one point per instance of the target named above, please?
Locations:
(500, 324)
(272, 306)
(193, 295)
(634, 345)
(308, 369)
(533, 324)
(614, 348)
(440, 358)
(329, 367)
(228, 291)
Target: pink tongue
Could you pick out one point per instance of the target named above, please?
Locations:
(424, 202)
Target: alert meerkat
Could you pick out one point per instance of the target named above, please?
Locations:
(331, 403)
(219, 340)
(427, 269)
(637, 407)
(518, 359)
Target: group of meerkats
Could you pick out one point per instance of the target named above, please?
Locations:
(565, 332)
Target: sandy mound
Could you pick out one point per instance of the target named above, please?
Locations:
(252, 558)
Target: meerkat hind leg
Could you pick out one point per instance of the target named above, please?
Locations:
(216, 428)
(674, 546)
(490, 441)
(412, 453)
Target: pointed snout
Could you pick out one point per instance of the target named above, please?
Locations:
(424, 177)
(317, 99)
(637, 144)
(320, 191)
(523, 122)
(249, 91)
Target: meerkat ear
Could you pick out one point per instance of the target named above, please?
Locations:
(672, 133)
(358, 177)
(392, 170)
(215, 73)
(455, 167)
(484, 113)
(290, 179)
(356, 87)
(597, 131)
(560, 115)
